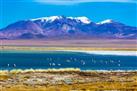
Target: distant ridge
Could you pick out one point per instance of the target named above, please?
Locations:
(55, 27)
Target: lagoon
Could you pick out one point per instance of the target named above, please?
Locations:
(65, 59)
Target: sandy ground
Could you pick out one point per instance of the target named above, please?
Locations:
(94, 43)
(76, 45)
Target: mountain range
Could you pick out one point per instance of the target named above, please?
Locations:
(61, 27)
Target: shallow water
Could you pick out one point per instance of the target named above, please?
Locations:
(84, 61)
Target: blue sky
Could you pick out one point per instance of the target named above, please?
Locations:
(97, 10)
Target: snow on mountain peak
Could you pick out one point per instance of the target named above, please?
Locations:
(84, 19)
(106, 21)
(51, 18)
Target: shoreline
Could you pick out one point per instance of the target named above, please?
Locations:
(102, 52)
(96, 52)
(62, 70)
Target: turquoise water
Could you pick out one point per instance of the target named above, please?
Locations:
(84, 61)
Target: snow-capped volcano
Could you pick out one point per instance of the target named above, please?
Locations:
(67, 27)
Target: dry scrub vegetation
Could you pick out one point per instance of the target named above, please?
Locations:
(67, 80)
